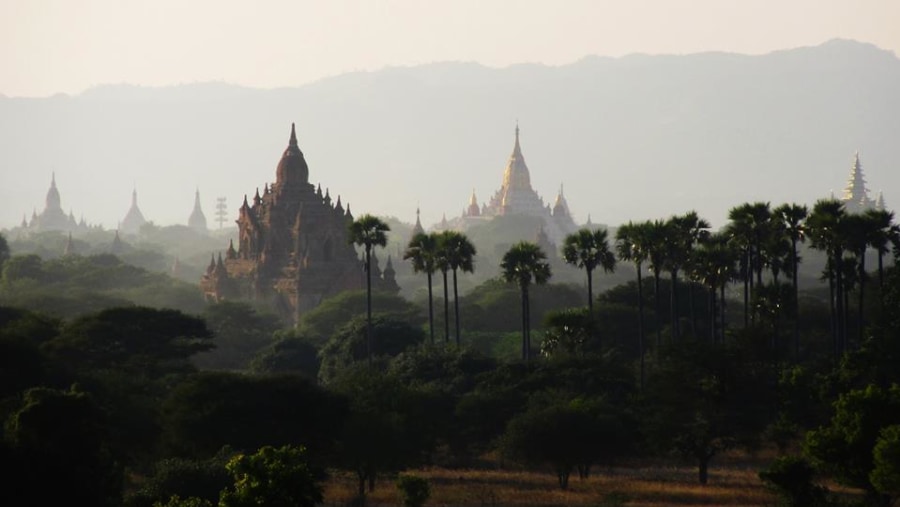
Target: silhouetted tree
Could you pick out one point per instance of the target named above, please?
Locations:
(422, 252)
(369, 231)
(525, 263)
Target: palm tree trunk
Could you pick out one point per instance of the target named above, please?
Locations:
(747, 279)
(446, 309)
(881, 279)
(641, 321)
(590, 278)
(690, 285)
(456, 306)
(656, 309)
(369, 304)
(722, 310)
(860, 320)
(430, 309)
(524, 325)
(674, 305)
(712, 314)
(796, 293)
(839, 308)
(832, 307)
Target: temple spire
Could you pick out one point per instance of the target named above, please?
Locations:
(293, 141)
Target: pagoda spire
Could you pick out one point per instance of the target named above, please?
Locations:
(293, 141)
(418, 229)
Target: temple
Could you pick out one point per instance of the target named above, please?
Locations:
(134, 219)
(197, 220)
(293, 247)
(52, 218)
(516, 197)
(856, 196)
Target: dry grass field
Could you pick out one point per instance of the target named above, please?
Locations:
(732, 481)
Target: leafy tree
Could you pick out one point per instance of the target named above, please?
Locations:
(414, 490)
(389, 426)
(566, 435)
(185, 481)
(347, 346)
(525, 263)
(320, 323)
(885, 475)
(792, 478)
(422, 251)
(369, 231)
(289, 353)
(239, 332)
(274, 477)
(4, 252)
(211, 410)
(748, 228)
(60, 436)
(704, 399)
(569, 332)
(844, 447)
(177, 501)
(459, 253)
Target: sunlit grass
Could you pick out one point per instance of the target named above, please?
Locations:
(645, 486)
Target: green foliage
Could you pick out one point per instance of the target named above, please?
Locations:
(4, 251)
(347, 346)
(177, 501)
(274, 477)
(212, 409)
(702, 399)
(885, 475)
(791, 477)
(495, 306)
(447, 369)
(291, 352)
(844, 447)
(568, 433)
(75, 285)
(239, 333)
(569, 332)
(414, 490)
(59, 436)
(146, 342)
(184, 479)
(320, 323)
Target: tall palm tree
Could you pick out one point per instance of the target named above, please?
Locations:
(368, 231)
(747, 230)
(825, 226)
(525, 263)
(792, 218)
(884, 233)
(422, 252)
(631, 246)
(714, 265)
(460, 254)
(588, 250)
(683, 232)
(655, 235)
(442, 263)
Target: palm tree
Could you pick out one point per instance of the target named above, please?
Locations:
(683, 232)
(655, 235)
(588, 250)
(747, 230)
(525, 263)
(884, 232)
(825, 226)
(442, 263)
(368, 231)
(792, 218)
(459, 252)
(631, 247)
(422, 251)
(714, 266)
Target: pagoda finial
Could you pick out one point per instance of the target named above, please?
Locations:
(293, 141)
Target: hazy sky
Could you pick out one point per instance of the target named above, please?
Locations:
(52, 46)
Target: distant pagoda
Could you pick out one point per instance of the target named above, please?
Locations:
(197, 220)
(856, 195)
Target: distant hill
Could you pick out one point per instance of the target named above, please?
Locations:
(631, 138)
